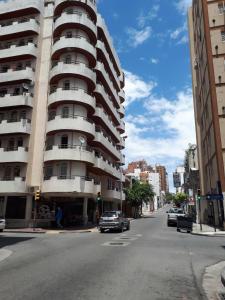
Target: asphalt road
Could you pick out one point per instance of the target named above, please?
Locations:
(155, 262)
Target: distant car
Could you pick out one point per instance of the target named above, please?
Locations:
(172, 215)
(113, 220)
(2, 224)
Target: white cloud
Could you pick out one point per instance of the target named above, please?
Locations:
(136, 88)
(151, 15)
(162, 133)
(154, 61)
(182, 6)
(180, 34)
(138, 37)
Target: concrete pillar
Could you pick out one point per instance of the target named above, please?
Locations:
(85, 206)
(28, 213)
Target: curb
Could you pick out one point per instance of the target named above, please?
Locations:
(208, 234)
(51, 231)
(223, 277)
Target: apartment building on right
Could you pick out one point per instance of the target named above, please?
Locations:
(207, 47)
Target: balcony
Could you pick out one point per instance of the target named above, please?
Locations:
(100, 90)
(122, 159)
(12, 185)
(121, 110)
(122, 143)
(89, 5)
(76, 42)
(107, 167)
(33, 6)
(15, 126)
(122, 96)
(101, 46)
(112, 194)
(99, 112)
(15, 28)
(14, 51)
(101, 68)
(121, 127)
(76, 20)
(76, 68)
(69, 184)
(17, 75)
(101, 24)
(17, 154)
(70, 122)
(69, 152)
(73, 95)
(103, 140)
(10, 100)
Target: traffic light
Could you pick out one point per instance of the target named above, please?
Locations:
(37, 195)
(98, 197)
(199, 194)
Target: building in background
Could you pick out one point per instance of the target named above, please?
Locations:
(163, 177)
(178, 179)
(207, 36)
(61, 111)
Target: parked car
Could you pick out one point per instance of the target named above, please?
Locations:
(113, 220)
(2, 224)
(172, 215)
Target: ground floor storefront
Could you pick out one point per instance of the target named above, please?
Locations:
(23, 211)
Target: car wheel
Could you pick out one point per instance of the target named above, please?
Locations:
(1, 230)
(102, 230)
(168, 224)
(178, 230)
(128, 227)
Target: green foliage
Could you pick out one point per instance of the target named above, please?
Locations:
(169, 197)
(139, 193)
(179, 198)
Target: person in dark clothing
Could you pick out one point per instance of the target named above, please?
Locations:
(58, 217)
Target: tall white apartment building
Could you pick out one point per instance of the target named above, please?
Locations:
(61, 111)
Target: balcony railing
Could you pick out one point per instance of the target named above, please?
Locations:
(70, 146)
(70, 116)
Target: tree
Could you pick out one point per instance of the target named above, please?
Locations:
(138, 194)
(179, 198)
(169, 197)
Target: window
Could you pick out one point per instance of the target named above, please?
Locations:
(48, 172)
(5, 69)
(3, 92)
(52, 115)
(68, 59)
(19, 67)
(64, 141)
(21, 43)
(66, 85)
(16, 171)
(7, 173)
(16, 91)
(63, 171)
(223, 36)
(23, 114)
(11, 144)
(69, 34)
(221, 8)
(20, 142)
(69, 11)
(13, 116)
(1, 117)
(65, 112)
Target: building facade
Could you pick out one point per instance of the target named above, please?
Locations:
(61, 111)
(207, 37)
(163, 178)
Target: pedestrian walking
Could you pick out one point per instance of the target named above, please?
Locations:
(97, 216)
(58, 217)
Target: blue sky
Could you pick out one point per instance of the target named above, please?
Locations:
(151, 40)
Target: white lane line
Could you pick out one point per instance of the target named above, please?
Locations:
(4, 253)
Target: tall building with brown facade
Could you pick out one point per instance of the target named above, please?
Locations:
(61, 111)
(207, 43)
(163, 177)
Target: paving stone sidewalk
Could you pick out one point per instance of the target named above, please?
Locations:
(207, 230)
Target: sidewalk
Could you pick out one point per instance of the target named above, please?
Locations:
(206, 230)
(81, 229)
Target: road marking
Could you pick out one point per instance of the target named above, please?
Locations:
(116, 244)
(4, 253)
(130, 238)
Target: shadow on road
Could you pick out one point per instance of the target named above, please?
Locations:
(11, 240)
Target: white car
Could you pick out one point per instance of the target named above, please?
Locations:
(2, 224)
(172, 215)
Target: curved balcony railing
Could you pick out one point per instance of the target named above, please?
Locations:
(30, 49)
(9, 100)
(101, 46)
(16, 27)
(69, 184)
(75, 42)
(12, 6)
(107, 167)
(108, 100)
(121, 127)
(16, 75)
(14, 185)
(100, 67)
(113, 193)
(99, 112)
(122, 96)
(14, 154)
(121, 110)
(102, 138)
(15, 126)
(76, 68)
(90, 5)
(77, 20)
(73, 94)
(71, 122)
(69, 152)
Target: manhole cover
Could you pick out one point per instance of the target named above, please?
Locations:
(126, 238)
(115, 244)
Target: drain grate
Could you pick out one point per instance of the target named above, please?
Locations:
(116, 244)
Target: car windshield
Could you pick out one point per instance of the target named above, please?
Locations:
(175, 211)
(110, 214)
